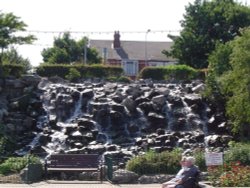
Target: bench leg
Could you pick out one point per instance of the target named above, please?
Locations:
(101, 174)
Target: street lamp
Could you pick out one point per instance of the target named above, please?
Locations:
(146, 48)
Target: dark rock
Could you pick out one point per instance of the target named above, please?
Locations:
(176, 101)
(159, 100)
(141, 99)
(156, 120)
(192, 99)
(160, 131)
(130, 104)
(31, 80)
(118, 107)
(146, 107)
(88, 93)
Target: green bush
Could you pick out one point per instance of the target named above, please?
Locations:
(123, 79)
(97, 71)
(177, 72)
(12, 70)
(156, 163)
(73, 74)
(16, 164)
(238, 152)
(200, 160)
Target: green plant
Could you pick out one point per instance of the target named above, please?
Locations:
(230, 175)
(73, 75)
(200, 160)
(16, 164)
(177, 72)
(238, 152)
(91, 71)
(152, 163)
(12, 70)
(124, 79)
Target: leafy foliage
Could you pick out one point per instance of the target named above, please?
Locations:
(73, 74)
(152, 163)
(230, 175)
(177, 72)
(9, 26)
(16, 164)
(12, 57)
(67, 50)
(205, 24)
(229, 81)
(100, 71)
(236, 82)
(12, 70)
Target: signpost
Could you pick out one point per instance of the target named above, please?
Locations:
(214, 159)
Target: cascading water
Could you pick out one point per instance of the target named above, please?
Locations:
(99, 118)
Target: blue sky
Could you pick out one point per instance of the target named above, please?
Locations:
(93, 18)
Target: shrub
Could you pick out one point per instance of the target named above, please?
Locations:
(177, 72)
(152, 163)
(16, 164)
(200, 160)
(12, 70)
(73, 74)
(99, 71)
(123, 79)
(238, 152)
(230, 175)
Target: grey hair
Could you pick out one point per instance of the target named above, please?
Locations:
(191, 159)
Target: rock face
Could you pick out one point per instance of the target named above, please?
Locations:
(114, 119)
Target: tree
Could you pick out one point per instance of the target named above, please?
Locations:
(9, 26)
(12, 57)
(67, 50)
(229, 80)
(205, 24)
(236, 82)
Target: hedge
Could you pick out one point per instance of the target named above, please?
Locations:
(99, 71)
(11, 70)
(177, 72)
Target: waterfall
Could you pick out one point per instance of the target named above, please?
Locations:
(80, 115)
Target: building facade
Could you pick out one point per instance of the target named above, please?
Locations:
(133, 56)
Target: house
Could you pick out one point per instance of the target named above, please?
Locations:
(132, 55)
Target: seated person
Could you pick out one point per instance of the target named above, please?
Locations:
(178, 176)
(190, 175)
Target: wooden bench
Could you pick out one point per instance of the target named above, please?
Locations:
(74, 163)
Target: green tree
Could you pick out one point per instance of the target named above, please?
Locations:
(205, 24)
(12, 57)
(9, 26)
(67, 50)
(219, 63)
(236, 82)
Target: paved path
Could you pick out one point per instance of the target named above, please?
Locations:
(77, 185)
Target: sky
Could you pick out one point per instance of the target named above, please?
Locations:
(96, 19)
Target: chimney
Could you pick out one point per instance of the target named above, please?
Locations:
(117, 42)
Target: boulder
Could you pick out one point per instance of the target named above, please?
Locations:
(159, 100)
(124, 176)
(192, 99)
(199, 88)
(130, 104)
(88, 93)
(31, 80)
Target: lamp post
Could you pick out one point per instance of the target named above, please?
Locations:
(146, 47)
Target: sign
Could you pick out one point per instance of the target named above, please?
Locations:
(214, 159)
